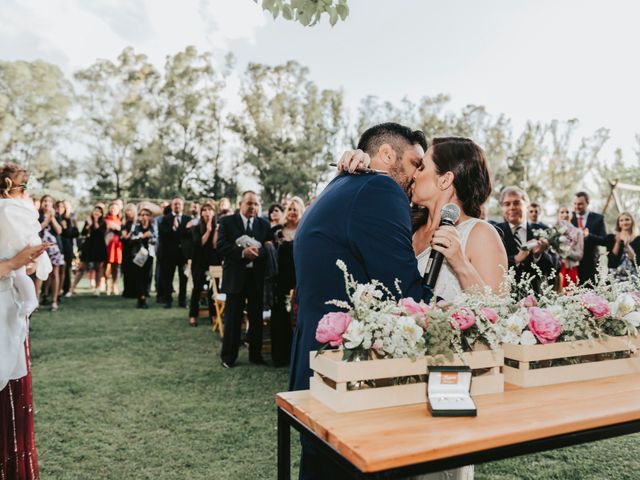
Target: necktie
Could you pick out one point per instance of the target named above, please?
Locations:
(516, 236)
(580, 224)
(249, 229)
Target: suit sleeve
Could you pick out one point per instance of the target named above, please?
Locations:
(226, 244)
(379, 233)
(599, 233)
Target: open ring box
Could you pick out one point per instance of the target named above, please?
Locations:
(449, 392)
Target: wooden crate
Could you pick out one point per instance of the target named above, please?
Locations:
(589, 352)
(329, 383)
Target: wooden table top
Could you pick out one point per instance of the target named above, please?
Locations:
(375, 440)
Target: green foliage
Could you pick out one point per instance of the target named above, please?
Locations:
(289, 128)
(307, 12)
(35, 99)
(117, 107)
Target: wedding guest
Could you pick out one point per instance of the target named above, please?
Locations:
(143, 236)
(165, 209)
(533, 214)
(243, 278)
(276, 214)
(623, 247)
(51, 231)
(224, 208)
(172, 232)
(113, 224)
(129, 289)
(18, 455)
(194, 208)
(203, 253)
(523, 250)
(281, 329)
(594, 230)
(69, 233)
(94, 250)
(570, 259)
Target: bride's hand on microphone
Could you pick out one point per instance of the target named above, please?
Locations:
(447, 241)
(353, 160)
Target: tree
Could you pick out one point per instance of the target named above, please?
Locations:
(35, 99)
(190, 123)
(289, 128)
(307, 12)
(117, 103)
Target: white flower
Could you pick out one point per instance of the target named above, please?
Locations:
(623, 305)
(410, 328)
(354, 335)
(633, 318)
(528, 338)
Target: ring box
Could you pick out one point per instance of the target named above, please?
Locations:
(448, 392)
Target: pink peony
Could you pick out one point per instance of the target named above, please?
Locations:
(331, 328)
(528, 302)
(414, 308)
(464, 318)
(597, 305)
(544, 325)
(490, 314)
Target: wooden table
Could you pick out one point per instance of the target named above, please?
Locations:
(404, 441)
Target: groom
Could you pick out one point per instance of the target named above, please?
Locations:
(363, 220)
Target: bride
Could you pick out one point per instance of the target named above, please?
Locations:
(453, 170)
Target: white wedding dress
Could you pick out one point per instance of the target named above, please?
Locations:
(448, 287)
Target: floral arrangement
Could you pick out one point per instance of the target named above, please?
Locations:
(374, 325)
(560, 238)
(578, 313)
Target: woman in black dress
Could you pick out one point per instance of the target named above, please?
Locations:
(129, 222)
(623, 247)
(69, 232)
(142, 237)
(94, 249)
(203, 255)
(281, 328)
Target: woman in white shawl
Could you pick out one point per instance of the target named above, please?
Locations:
(19, 228)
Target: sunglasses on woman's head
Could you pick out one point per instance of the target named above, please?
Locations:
(22, 186)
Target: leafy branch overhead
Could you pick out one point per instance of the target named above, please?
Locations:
(307, 12)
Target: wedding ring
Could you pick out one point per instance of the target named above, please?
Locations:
(30, 257)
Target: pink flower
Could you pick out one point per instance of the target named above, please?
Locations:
(414, 308)
(597, 305)
(544, 325)
(490, 314)
(464, 318)
(528, 302)
(331, 328)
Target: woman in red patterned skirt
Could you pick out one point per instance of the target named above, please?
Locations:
(18, 456)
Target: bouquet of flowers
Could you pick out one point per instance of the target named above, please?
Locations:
(374, 325)
(559, 238)
(578, 313)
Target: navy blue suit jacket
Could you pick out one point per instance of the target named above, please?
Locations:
(363, 220)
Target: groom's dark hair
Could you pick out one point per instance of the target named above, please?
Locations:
(397, 136)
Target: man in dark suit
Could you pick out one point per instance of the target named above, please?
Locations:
(243, 278)
(595, 232)
(363, 220)
(523, 251)
(533, 215)
(172, 230)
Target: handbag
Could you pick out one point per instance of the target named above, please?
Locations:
(141, 257)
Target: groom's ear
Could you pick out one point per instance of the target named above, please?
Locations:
(386, 154)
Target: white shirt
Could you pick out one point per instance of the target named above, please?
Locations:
(246, 220)
(522, 233)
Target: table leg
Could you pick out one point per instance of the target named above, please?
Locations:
(284, 447)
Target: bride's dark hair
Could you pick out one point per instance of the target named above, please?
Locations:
(471, 179)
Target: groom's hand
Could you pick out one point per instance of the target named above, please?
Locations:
(353, 160)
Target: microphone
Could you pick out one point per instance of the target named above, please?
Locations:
(448, 216)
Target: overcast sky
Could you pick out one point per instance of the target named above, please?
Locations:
(538, 60)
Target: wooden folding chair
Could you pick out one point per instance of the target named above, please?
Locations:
(215, 273)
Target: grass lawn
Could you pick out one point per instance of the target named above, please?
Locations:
(123, 393)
